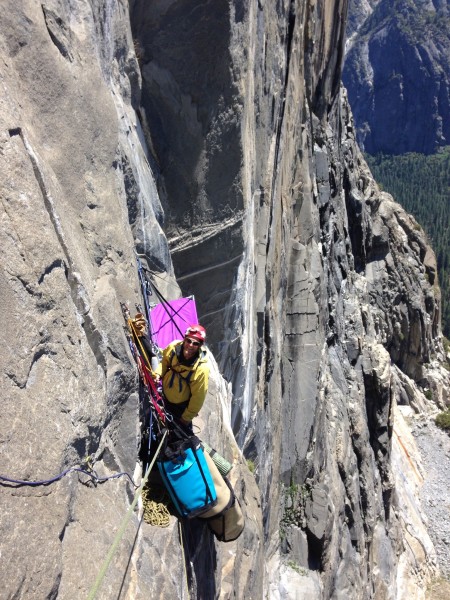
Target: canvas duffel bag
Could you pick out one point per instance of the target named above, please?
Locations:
(225, 519)
(223, 490)
(230, 523)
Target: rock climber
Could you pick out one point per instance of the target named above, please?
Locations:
(184, 373)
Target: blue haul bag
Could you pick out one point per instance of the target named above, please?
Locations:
(187, 478)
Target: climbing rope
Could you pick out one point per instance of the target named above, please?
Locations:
(123, 526)
(154, 273)
(146, 288)
(185, 573)
(144, 366)
(92, 474)
(155, 513)
(165, 304)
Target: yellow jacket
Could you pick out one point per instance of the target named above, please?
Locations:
(184, 383)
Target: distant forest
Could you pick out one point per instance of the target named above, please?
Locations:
(421, 184)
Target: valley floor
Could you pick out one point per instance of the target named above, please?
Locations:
(434, 447)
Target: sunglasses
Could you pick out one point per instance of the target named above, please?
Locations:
(191, 342)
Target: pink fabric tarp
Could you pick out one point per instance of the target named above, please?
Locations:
(170, 320)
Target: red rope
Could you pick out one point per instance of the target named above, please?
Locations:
(145, 372)
(153, 393)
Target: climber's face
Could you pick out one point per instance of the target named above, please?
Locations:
(190, 347)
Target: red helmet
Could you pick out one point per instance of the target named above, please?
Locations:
(197, 332)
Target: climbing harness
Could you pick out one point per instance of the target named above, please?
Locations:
(181, 461)
(186, 379)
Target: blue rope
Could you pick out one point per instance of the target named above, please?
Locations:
(91, 474)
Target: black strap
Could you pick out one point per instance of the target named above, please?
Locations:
(229, 504)
(187, 379)
(208, 490)
(207, 487)
(165, 304)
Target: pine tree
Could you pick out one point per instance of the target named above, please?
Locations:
(421, 184)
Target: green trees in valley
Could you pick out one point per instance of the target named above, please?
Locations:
(421, 184)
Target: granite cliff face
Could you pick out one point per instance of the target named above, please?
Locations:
(316, 288)
(396, 73)
(358, 12)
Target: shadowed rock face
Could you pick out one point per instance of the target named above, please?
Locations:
(78, 197)
(358, 11)
(317, 311)
(396, 74)
(192, 109)
(317, 291)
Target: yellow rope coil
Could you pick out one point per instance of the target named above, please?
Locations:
(155, 513)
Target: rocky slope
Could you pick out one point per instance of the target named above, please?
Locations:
(397, 75)
(358, 12)
(434, 445)
(317, 290)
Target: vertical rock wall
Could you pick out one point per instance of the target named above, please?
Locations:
(317, 291)
(396, 73)
(333, 296)
(78, 197)
(192, 111)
